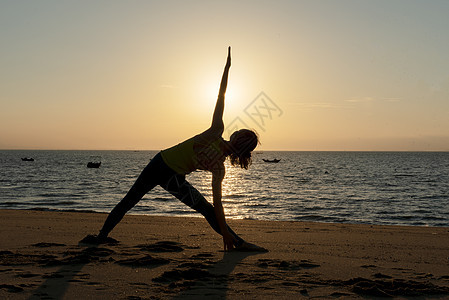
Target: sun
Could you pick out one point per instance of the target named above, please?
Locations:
(209, 94)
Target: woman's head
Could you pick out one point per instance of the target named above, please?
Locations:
(242, 142)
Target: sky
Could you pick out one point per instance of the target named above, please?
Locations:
(346, 75)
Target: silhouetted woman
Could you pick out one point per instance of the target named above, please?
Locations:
(205, 151)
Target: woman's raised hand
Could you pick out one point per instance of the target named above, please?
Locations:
(228, 61)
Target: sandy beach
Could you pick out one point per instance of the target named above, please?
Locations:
(172, 257)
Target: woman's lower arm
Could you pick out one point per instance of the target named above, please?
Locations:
(219, 213)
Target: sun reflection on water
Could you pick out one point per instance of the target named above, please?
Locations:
(241, 193)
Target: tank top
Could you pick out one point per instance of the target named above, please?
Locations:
(194, 154)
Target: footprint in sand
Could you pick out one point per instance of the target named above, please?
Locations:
(145, 261)
(203, 255)
(47, 245)
(184, 274)
(53, 275)
(368, 266)
(286, 265)
(163, 246)
(85, 256)
(394, 287)
(380, 276)
(11, 288)
(26, 275)
(8, 258)
(195, 265)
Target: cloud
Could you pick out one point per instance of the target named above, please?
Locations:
(360, 100)
(372, 99)
(309, 105)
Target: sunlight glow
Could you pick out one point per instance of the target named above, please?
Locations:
(146, 75)
(210, 93)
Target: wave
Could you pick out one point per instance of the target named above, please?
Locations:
(63, 210)
(404, 189)
(13, 204)
(404, 175)
(322, 218)
(54, 203)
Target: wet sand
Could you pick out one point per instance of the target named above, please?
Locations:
(171, 257)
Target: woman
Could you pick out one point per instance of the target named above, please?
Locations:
(206, 151)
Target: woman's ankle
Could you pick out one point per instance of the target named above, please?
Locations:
(102, 235)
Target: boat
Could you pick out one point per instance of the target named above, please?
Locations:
(93, 164)
(94, 161)
(271, 160)
(27, 159)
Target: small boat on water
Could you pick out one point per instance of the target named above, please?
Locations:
(27, 159)
(94, 161)
(271, 160)
(93, 164)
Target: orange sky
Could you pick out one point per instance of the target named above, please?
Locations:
(337, 75)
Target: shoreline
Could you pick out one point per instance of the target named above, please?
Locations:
(166, 257)
(199, 216)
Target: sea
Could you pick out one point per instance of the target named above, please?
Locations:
(383, 188)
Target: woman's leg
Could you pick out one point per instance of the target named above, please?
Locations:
(184, 191)
(146, 181)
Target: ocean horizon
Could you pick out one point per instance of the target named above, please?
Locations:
(360, 187)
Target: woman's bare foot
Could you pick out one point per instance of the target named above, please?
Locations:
(248, 247)
(97, 240)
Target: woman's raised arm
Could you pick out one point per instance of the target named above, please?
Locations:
(217, 119)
